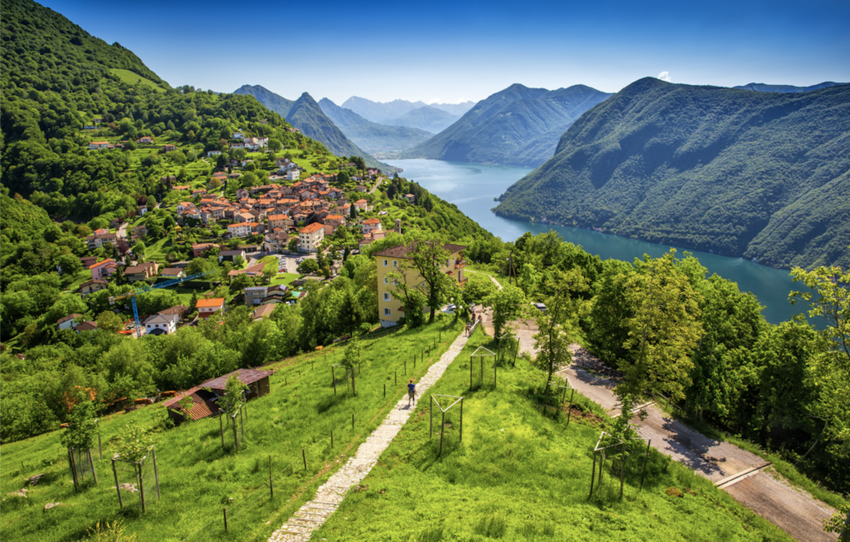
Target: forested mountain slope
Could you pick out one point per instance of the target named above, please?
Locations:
(518, 126)
(371, 136)
(306, 115)
(757, 174)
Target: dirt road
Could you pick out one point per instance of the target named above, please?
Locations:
(765, 492)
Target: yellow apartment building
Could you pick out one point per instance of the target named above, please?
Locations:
(391, 260)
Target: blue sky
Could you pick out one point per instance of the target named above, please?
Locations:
(455, 51)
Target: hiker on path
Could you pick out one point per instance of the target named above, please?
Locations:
(466, 333)
(411, 392)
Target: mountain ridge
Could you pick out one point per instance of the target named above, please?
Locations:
(306, 115)
(515, 126)
(371, 136)
(740, 173)
(427, 118)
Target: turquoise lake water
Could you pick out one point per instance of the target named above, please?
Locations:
(472, 188)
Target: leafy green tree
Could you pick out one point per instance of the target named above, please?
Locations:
(308, 266)
(81, 428)
(556, 332)
(109, 322)
(508, 304)
(134, 442)
(663, 329)
(422, 275)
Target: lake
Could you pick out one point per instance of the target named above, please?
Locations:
(472, 188)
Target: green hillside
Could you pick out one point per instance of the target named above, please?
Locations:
(197, 477)
(132, 78)
(522, 475)
(306, 115)
(373, 137)
(517, 126)
(756, 174)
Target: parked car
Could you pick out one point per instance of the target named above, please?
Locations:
(540, 306)
(450, 308)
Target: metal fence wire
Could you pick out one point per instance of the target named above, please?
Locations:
(137, 482)
(82, 466)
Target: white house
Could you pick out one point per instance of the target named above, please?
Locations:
(242, 229)
(310, 237)
(96, 145)
(213, 153)
(237, 135)
(293, 174)
(166, 322)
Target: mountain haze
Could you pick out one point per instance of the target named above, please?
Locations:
(517, 126)
(371, 136)
(306, 115)
(426, 118)
(390, 112)
(761, 87)
(763, 175)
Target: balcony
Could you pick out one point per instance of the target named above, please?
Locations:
(460, 264)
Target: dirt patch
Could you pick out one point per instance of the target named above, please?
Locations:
(588, 417)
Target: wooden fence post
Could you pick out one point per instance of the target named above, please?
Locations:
(141, 487)
(156, 474)
(225, 519)
(115, 472)
(271, 481)
(304, 456)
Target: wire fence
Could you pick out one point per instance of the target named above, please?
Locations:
(344, 434)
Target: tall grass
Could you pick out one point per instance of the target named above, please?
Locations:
(522, 474)
(198, 478)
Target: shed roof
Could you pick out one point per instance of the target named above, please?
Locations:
(202, 405)
(247, 376)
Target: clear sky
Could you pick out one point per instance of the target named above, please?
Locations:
(460, 50)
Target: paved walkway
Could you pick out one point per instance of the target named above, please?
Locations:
(301, 526)
(765, 492)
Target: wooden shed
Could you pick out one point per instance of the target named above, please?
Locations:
(256, 380)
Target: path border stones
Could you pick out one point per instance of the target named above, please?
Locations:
(301, 526)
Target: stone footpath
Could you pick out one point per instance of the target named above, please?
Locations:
(313, 514)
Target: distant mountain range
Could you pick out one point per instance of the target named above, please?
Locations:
(371, 136)
(764, 175)
(517, 126)
(395, 113)
(306, 115)
(761, 87)
(426, 118)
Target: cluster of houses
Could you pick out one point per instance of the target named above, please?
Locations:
(275, 210)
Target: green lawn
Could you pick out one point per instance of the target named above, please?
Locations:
(132, 78)
(198, 478)
(284, 278)
(520, 475)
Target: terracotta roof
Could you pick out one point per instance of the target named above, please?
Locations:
(312, 228)
(214, 302)
(371, 221)
(247, 376)
(69, 317)
(401, 251)
(104, 262)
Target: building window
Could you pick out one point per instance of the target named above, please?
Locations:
(395, 263)
(385, 263)
(387, 312)
(386, 280)
(387, 297)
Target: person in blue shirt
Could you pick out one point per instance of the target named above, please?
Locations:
(411, 392)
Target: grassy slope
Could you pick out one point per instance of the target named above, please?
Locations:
(197, 478)
(522, 476)
(132, 78)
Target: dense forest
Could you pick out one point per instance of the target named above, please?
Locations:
(740, 173)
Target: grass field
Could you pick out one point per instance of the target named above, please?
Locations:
(521, 475)
(198, 478)
(132, 78)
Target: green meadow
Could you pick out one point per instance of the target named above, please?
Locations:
(524, 474)
(199, 478)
